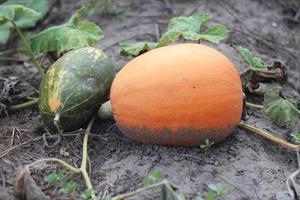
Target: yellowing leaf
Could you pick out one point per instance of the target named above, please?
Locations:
(71, 35)
(280, 110)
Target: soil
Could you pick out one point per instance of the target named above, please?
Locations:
(254, 167)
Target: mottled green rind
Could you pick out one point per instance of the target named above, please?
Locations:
(83, 88)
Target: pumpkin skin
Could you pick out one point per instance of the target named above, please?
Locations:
(74, 87)
(177, 95)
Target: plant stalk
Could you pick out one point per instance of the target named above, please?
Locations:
(24, 105)
(83, 166)
(29, 50)
(252, 105)
(9, 51)
(2, 78)
(56, 121)
(269, 136)
(129, 194)
(63, 163)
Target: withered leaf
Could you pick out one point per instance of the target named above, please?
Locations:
(26, 188)
(258, 82)
(275, 73)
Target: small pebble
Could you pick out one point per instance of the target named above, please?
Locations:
(283, 196)
(231, 159)
(274, 24)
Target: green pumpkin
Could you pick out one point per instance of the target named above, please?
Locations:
(74, 87)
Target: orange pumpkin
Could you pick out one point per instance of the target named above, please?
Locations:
(177, 95)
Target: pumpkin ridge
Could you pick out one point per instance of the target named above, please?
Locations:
(64, 103)
(82, 102)
(47, 113)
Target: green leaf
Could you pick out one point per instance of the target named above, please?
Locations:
(87, 194)
(71, 35)
(2, 20)
(180, 27)
(108, 197)
(152, 177)
(280, 110)
(135, 49)
(25, 14)
(220, 189)
(184, 27)
(296, 137)
(211, 195)
(207, 144)
(169, 191)
(254, 63)
(4, 33)
(199, 198)
(11, 11)
(26, 20)
(69, 188)
(53, 178)
(215, 33)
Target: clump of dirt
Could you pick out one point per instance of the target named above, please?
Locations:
(254, 167)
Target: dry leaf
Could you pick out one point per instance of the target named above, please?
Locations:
(259, 82)
(26, 188)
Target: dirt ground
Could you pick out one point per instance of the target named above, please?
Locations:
(254, 167)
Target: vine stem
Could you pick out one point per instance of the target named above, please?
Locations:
(269, 136)
(129, 194)
(2, 78)
(35, 62)
(252, 105)
(291, 184)
(9, 51)
(27, 104)
(83, 167)
(63, 163)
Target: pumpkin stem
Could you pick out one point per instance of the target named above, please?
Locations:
(105, 111)
(56, 121)
(269, 136)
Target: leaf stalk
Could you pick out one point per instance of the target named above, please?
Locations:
(29, 50)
